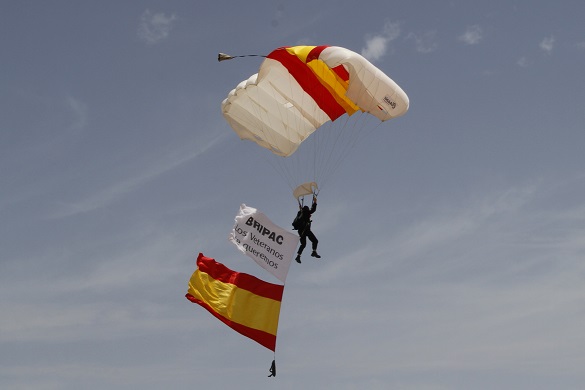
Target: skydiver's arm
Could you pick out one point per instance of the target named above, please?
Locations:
(313, 207)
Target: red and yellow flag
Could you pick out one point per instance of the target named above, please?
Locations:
(243, 302)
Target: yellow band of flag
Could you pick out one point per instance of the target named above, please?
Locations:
(236, 304)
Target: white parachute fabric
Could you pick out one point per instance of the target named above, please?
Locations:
(369, 88)
(272, 110)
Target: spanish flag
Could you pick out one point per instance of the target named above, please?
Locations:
(243, 302)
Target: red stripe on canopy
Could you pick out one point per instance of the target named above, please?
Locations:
(309, 82)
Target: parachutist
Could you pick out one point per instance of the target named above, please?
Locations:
(302, 224)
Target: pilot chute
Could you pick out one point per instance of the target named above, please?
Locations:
(309, 188)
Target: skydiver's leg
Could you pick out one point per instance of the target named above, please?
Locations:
(301, 247)
(313, 239)
(314, 243)
(303, 243)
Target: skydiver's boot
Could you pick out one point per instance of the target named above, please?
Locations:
(315, 254)
(298, 259)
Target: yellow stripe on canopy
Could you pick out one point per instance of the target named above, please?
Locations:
(334, 84)
(301, 51)
(328, 78)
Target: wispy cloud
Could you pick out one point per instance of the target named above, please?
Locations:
(79, 111)
(497, 264)
(523, 62)
(377, 45)
(115, 191)
(472, 35)
(547, 44)
(425, 42)
(462, 226)
(155, 27)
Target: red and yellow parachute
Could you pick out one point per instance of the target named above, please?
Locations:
(299, 89)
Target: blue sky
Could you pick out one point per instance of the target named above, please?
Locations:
(453, 238)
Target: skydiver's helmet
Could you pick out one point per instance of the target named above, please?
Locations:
(306, 209)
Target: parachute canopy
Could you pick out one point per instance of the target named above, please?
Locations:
(298, 89)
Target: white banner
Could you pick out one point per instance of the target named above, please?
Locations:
(269, 245)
